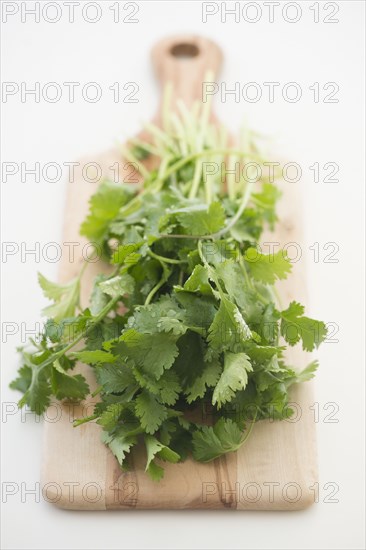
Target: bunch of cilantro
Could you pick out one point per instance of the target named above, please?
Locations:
(185, 336)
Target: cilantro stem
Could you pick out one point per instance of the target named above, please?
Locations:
(82, 270)
(164, 259)
(245, 273)
(80, 421)
(97, 391)
(207, 152)
(136, 200)
(180, 279)
(130, 157)
(200, 253)
(196, 180)
(249, 431)
(234, 219)
(167, 99)
(230, 177)
(174, 168)
(208, 189)
(158, 285)
(162, 168)
(55, 356)
(144, 145)
(153, 291)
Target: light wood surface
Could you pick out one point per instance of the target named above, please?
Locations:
(185, 61)
(274, 470)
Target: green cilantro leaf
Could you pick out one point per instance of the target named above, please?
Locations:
(230, 273)
(167, 388)
(115, 377)
(119, 444)
(155, 449)
(210, 442)
(233, 378)
(66, 297)
(109, 418)
(151, 413)
(200, 220)
(104, 206)
(207, 379)
(295, 326)
(153, 352)
(94, 357)
(228, 329)
(24, 379)
(38, 394)
(198, 281)
(127, 254)
(267, 268)
(118, 286)
(69, 387)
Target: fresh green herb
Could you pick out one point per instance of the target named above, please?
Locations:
(197, 357)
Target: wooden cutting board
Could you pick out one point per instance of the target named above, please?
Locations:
(274, 470)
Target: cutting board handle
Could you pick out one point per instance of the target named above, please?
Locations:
(184, 61)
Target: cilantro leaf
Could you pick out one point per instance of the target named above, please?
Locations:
(233, 378)
(66, 297)
(201, 220)
(295, 326)
(167, 388)
(210, 442)
(93, 357)
(104, 207)
(115, 378)
(118, 286)
(155, 449)
(198, 281)
(24, 379)
(151, 413)
(38, 394)
(119, 444)
(98, 298)
(69, 387)
(207, 379)
(266, 200)
(228, 329)
(267, 268)
(306, 374)
(109, 418)
(153, 352)
(195, 219)
(127, 254)
(231, 275)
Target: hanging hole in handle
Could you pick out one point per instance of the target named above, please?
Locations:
(184, 50)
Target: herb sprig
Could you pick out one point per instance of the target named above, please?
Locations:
(185, 336)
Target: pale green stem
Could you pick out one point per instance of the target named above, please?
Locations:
(131, 158)
(166, 260)
(167, 100)
(196, 180)
(231, 177)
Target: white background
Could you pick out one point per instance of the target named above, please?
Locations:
(306, 132)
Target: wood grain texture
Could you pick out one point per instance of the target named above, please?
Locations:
(275, 468)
